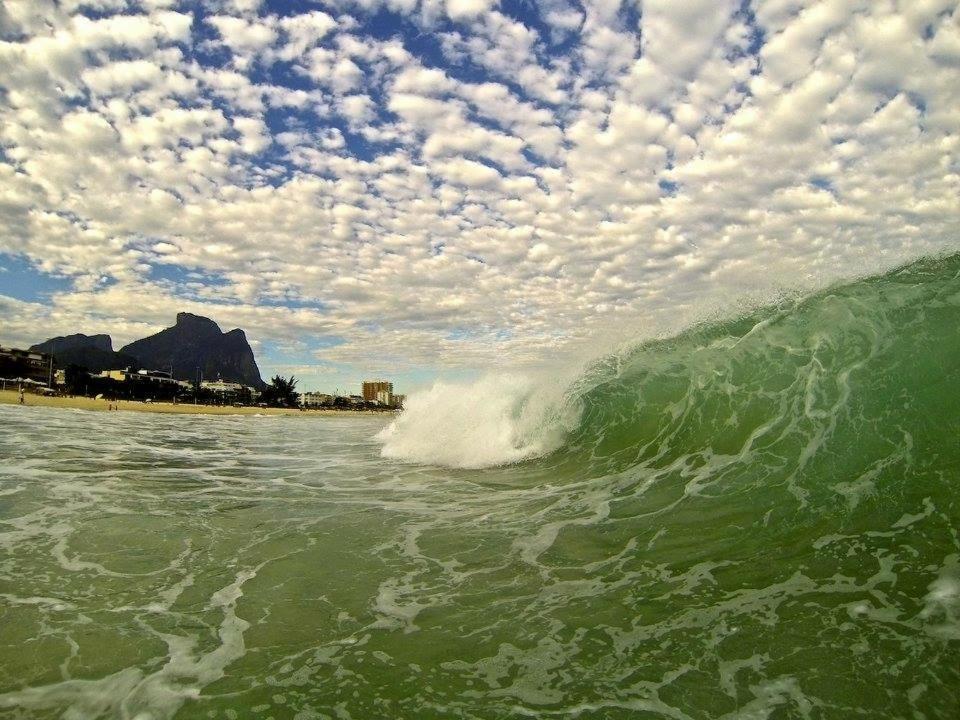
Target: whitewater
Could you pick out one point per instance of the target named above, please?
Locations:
(754, 518)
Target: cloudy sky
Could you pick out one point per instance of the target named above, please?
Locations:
(430, 187)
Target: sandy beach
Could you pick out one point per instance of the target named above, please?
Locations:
(10, 397)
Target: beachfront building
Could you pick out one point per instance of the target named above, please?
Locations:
(130, 384)
(372, 387)
(221, 387)
(316, 399)
(229, 391)
(158, 377)
(25, 364)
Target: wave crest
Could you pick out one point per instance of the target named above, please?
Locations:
(784, 391)
(498, 420)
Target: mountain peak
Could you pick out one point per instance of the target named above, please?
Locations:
(94, 352)
(189, 320)
(75, 342)
(195, 346)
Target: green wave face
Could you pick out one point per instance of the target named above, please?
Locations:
(856, 385)
(777, 500)
(783, 492)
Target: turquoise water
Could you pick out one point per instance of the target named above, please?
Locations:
(757, 518)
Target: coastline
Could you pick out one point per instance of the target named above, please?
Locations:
(10, 397)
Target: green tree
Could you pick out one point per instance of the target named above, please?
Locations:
(280, 392)
(76, 379)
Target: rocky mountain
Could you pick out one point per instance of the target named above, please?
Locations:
(73, 342)
(94, 352)
(196, 345)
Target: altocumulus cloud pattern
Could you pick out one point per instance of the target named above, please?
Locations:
(452, 183)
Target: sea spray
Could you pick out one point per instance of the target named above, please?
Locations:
(496, 420)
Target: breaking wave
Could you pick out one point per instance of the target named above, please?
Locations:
(498, 420)
(858, 373)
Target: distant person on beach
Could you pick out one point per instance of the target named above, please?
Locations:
(21, 395)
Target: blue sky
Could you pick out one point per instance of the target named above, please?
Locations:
(420, 189)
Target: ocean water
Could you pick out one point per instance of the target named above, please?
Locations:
(755, 519)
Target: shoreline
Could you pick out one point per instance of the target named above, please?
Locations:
(77, 402)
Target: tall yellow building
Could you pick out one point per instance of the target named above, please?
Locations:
(372, 387)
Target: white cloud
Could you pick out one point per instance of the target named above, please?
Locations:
(340, 74)
(468, 9)
(304, 31)
(470, 173)
(254, 136)
(241, 35)
(678, 36)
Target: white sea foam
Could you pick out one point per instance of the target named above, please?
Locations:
(497, 420)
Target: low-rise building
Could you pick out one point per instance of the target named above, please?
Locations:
(316, 399)
(153, 376)
(223, 388)
(230, 391)
(28, 364)
(157, 376)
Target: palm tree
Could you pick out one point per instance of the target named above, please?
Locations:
(280, 392)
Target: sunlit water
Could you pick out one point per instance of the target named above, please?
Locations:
(757, 519)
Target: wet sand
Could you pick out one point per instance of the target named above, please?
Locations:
(9, 397)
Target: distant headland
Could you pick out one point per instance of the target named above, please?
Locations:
(194, 347)
(192, 362)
